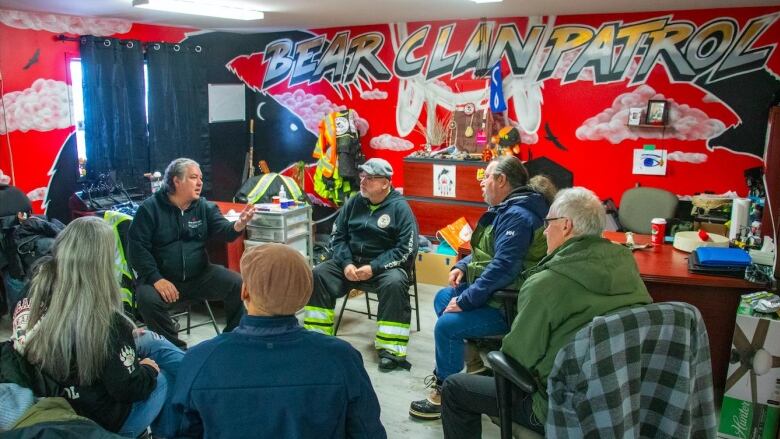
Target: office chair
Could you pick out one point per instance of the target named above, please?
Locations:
(367, 312)
(638, 206)
(640, 372)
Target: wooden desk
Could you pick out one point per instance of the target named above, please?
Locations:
(664, 270)
(227, 254)
(435, 212)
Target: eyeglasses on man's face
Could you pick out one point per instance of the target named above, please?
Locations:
(364, 176)
(547, 221)
(488, 175)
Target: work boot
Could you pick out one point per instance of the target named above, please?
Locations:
(474, 363)
(428, 409)
(388, 362)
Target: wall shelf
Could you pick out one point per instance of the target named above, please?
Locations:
(646, 125)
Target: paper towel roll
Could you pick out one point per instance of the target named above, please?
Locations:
(740, 210)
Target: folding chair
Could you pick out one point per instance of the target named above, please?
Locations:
(374, 298)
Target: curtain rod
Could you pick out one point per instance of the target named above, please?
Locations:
(63, 37)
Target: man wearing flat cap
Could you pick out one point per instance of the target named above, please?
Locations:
(373, 245)
(260, 380)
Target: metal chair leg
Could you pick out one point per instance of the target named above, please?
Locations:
(368, 304)
(416, 299)
(341, 314)
(189, 316)
(211, 316)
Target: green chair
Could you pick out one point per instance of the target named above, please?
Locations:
(638, 206)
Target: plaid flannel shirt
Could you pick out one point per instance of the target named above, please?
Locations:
(641, 372)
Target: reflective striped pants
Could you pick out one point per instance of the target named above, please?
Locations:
(393, 317)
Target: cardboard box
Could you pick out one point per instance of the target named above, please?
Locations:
(433, 268)
(753, 357)
(718, 229)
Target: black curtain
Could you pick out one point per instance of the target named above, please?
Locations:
(114, 116)
(178, 106)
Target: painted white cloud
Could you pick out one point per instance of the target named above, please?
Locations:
(386, 141)
(313, 108)
(685, 122)
(687, 157)
(42, 107)
(361, 124)
(4, 179)
(374, 95)
(37, 194)
(64, 23)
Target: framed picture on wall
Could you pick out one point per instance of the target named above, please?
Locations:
(657, 112)
(635, 116)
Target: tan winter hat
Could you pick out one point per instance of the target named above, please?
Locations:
(277, 277)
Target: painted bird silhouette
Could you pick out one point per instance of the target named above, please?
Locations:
(32, 60)
(551, 137)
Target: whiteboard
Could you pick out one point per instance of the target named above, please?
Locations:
(226, 102)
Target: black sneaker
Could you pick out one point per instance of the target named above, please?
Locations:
(388, 362)
(428, 409)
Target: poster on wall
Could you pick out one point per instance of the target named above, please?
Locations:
(650, 161)
(444, 181)
(226, 102)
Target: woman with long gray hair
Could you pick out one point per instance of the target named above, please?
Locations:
(73, 329)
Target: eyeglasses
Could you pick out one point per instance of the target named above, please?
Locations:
(547, 221)
(364, 176)
(486, 175)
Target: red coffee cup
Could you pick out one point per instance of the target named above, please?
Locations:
(658, 230)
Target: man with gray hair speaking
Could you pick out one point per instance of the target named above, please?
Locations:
(168, 250)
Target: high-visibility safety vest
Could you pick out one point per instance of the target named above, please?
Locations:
(336, 128)
(291, 187)
(121, 267)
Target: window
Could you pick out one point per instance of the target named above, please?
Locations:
(77, 105)
(78, 108)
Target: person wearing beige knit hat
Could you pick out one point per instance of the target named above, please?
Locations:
(269, 376)
(277, 280)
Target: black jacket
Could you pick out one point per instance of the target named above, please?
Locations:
(385, 238)
(108, 400)
(166, 242)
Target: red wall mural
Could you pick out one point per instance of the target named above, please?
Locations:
(569, 82)
(35, 115)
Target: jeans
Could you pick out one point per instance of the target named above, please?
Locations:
(453, 327)
(465, 398)
(14, 291)
(156, 410)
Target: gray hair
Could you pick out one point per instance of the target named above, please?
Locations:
(513, 169)
(583, 208)
(178, 169)
(74, 297)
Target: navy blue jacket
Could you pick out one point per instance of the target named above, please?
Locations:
(514, 222)
(270, 378)
(385, 238)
